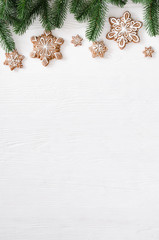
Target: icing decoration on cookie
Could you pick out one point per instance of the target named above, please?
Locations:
(46, 47)
(77, 40)
(98, 49)
(148, 51)
(124, 30)
(14, 60)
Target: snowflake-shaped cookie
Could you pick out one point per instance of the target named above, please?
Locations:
(124, 30)
(14, 60)
(46, 47)
(98, 49)
(77, 40)
(148, 51)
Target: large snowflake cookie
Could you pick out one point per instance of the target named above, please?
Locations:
(124, 30)
(46, 47)
(98, 49)
(14, 60)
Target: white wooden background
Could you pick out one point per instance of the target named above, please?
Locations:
(79, 141)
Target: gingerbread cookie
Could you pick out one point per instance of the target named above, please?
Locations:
(77, 40)
(124, 30)
(148, 51)
(46, 47)
(98, 49)
(14, 60)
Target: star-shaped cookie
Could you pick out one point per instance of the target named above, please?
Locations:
(148, 51)
(14, 60)
(98, 49)
(77, 40)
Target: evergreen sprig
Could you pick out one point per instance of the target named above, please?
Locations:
(75, 5)
(45, 15)
(151, 17)
(119, 3)
(27, 17)
(6, 39)
(22, 5)
(97, 15)
(83, 9)
(59, 12)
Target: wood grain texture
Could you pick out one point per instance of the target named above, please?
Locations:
(79, 156)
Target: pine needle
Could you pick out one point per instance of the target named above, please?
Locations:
(6, 39)
(45, 15)
(21, 25)
(59, 12)
(151, 17)
(96, 21)
(119, 3)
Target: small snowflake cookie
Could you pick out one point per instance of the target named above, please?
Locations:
(46, 47)
(98, 49)
(124, 30)
(148, 51)
(77, 40)
(14, 60)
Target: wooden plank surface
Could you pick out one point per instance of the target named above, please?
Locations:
(79, 141)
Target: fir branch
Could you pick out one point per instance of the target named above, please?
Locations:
(151, 17)
(21, 25)
(58, 12)
(75, 5)
(141, 1)
(96, 21)
(22, 7)
(8, 10)
(138, 1)
(45, 15)
(6, 39)
(2, 8)
(82, 11)
(119, 3)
